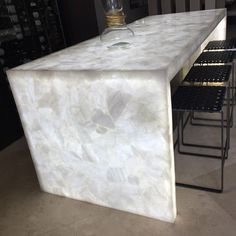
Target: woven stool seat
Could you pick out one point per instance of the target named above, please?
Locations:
(229, 44)
(198, 99)
(215, 57)
(209, 74)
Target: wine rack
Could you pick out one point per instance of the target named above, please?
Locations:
(29, 29)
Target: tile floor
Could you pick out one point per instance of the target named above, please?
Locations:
(26, 211)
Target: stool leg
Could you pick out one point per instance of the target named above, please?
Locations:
(228, 119)
(182, 141)
(178, 129)
(221, 171)
(233, 80)
(233, 96)
(223, 152)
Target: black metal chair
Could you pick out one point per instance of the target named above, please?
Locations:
(210, 76)
(205, 99)
(228, 45)
(222, 45)
(218, 58)
(215, 57)
(219, 45)
(209, 86)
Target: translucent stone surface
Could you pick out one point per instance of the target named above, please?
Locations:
(98, 121)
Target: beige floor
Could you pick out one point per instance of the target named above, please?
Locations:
(25, 210)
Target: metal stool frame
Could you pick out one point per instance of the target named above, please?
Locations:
(226, 59)
(228, 45)
(204, 79)
(223, 148)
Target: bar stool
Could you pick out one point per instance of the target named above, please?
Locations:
(224, 45)
(206, 99)
(219, 45)
(210, 76)
(218, 58)
(213, 58)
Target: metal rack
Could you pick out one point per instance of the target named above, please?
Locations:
(29, 29)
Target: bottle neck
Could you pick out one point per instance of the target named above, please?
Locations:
(115, 18)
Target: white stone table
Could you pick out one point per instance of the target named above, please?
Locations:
(98, 121)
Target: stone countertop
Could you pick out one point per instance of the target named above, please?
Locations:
(98, 121)
(161, 43)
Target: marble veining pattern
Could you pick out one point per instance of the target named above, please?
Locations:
(98, 122)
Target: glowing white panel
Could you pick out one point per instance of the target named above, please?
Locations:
(98, 121)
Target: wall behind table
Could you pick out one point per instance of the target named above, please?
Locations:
(174, 6)
(84, 19)
(78, 19)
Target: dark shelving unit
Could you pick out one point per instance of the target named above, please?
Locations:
(29, 29)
